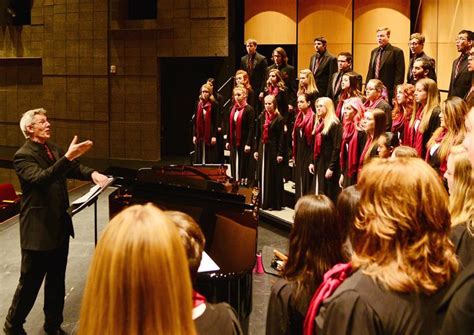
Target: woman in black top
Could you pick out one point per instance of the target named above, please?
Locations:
(271, 147)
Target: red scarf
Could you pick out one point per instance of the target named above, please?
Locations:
(203, 127)
(273, 90)
(443, 163)
(417, 134)
(342, 98)
(269, 117)
(406, 140)
(238, 132)
(349, 137)
(372, 104)
(318, 139)
(198, 299)
(398, 123)
(305, 122)
(332, 280)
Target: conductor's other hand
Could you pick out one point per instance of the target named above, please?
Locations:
(99, 178)
(76, 150)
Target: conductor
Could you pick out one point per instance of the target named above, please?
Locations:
(45, 226)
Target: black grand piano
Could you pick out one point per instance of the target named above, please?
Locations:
(226, 213)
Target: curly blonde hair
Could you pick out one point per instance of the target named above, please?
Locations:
(401, 231)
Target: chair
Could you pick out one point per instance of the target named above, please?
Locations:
(9, 202)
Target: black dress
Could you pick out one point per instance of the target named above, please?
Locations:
(239, 160)
(270, 172)
(303, 153)
(362, 306)
(329, 159)
(359, 137)
(218, 319)
(463, 241)
(285, 314)
(205, 153)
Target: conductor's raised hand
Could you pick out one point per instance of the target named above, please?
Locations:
(76, 149)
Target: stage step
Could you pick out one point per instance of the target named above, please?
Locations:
(283, 216)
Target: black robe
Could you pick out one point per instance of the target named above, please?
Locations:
(363, 306)
(202, 151)
(329, 159)
(352, 180)
(269, 172)
(239, 160)
(303, 153)
(285, 314)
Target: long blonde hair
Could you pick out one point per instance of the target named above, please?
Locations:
(401, 230)
(460, 198)
(139, 278)
(311, 88)
(432, 101)
(330, 118)
(454, 111)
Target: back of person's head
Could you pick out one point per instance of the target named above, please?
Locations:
(460, 199)
(401, 231)
(138, 281)
(404, 151)
(192, 237)
(315, 242)
(347, 207)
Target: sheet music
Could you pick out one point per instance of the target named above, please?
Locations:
(92, 192)
(207, 264)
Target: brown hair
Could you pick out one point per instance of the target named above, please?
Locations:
(380, 121)
(138, 281)
(402, 227)
(245, 75)
(192, 237)
(315, 243)
(432, 101)
(280, 81)
(406, 108)
(454, 111)
(405, 151)
(460, 199)
(347, 208)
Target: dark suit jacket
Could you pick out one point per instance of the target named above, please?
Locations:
(460, 85)
(334, 93)
(392, 68)
(44, 222)
(289, 76)
(431, 73)
(257, 76)
(327, 66)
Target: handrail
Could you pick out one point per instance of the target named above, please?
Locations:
(225, 84)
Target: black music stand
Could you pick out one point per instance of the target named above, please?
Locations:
(91, 199)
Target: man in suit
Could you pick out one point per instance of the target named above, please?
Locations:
(417, 43)
(255, 64)
(344, 65)
(45, 226)
(461, 78)
(387, 63)
(322, 64)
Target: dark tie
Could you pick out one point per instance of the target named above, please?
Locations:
(49, 153)
(316, 64)
(338, 82)
(458, 65)
(250, 64)
(378, 63)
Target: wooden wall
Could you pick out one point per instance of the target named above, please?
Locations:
(439, 21)
(61, 62)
